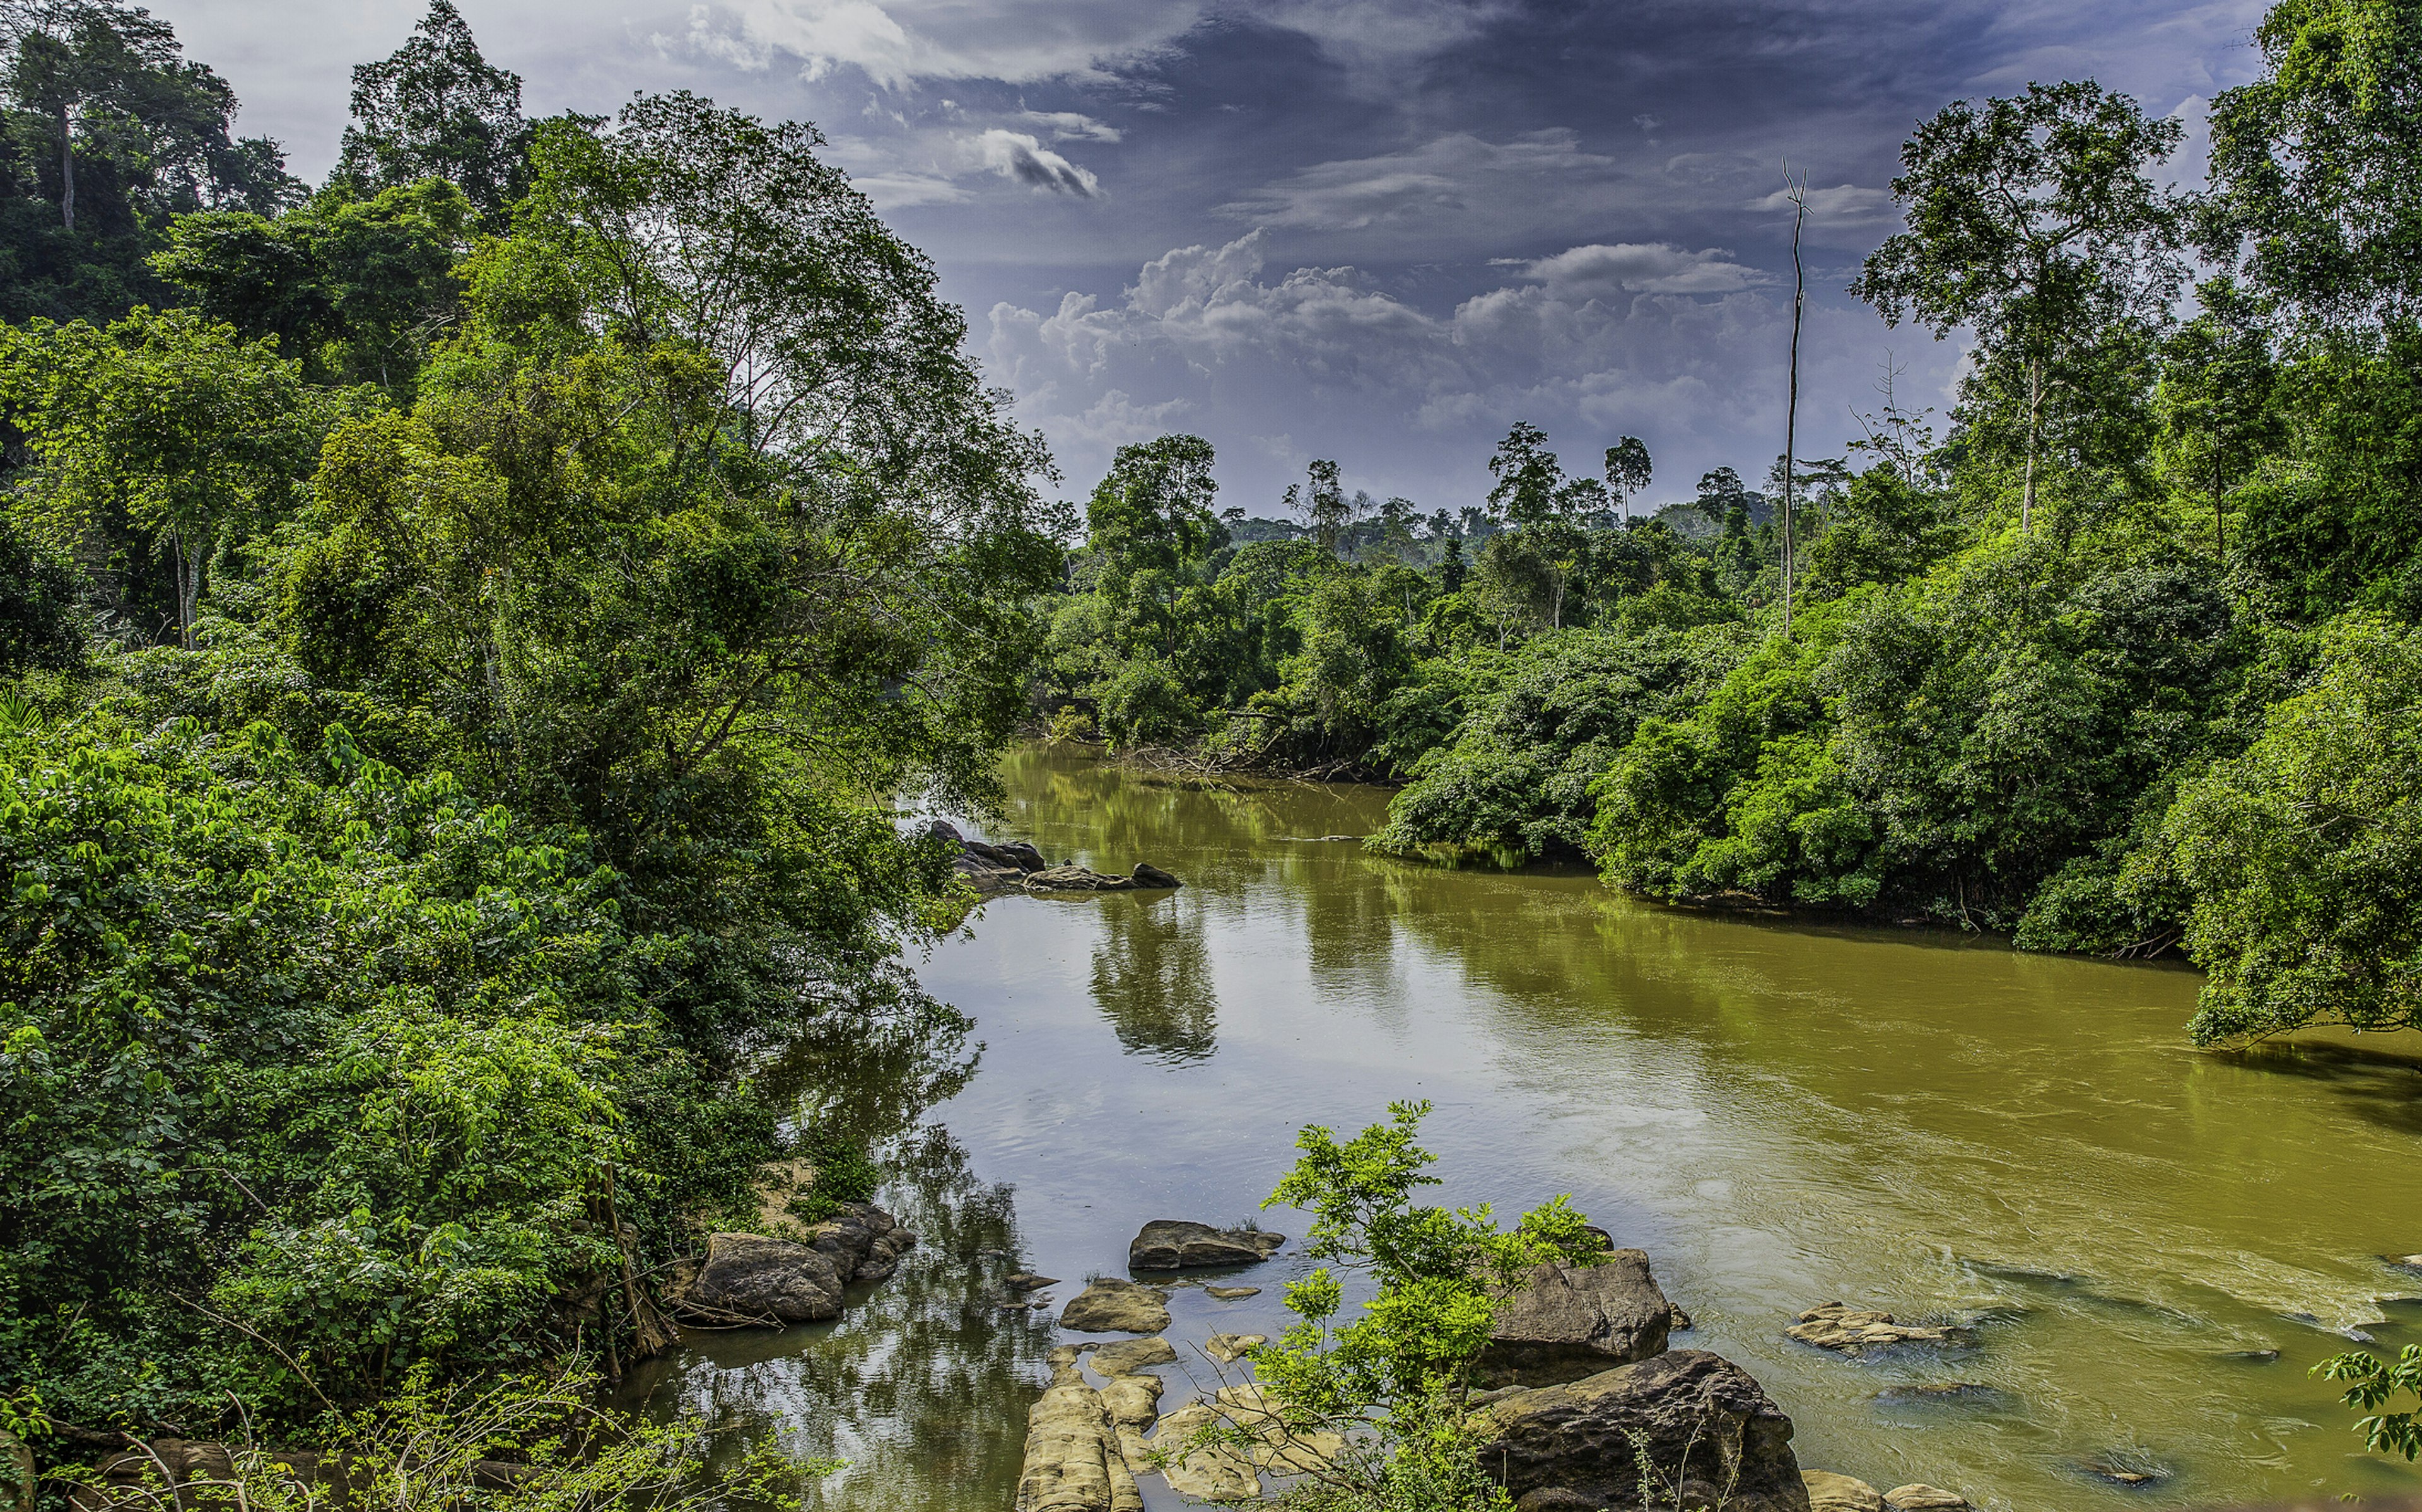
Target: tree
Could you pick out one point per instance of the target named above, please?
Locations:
(437, 107)
(2311, 190)
(1798, 195)
(2033, 221)
(2215, 403)
(1323, 505)
(1397, 1378)
(167, 420)
(2297, 857)
(1529, 481)
(358, 290)
(1628, 471)
(1149, 522)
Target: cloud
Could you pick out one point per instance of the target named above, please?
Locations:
(1070, 126)
(1647, 267)
(1454, 176)
(1017, 156)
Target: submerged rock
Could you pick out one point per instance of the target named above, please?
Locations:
(1229, 1294)
(1176, 1244)
(1113, 1306)
(1829, 1493)
(1073, 1459)
(1128, 1356)
(1709, 1431)
(1847, 1330)
(1228, 1348)
(1148, 874)
(1565, 1322)
(1209, 1472)
(1922, 1498)
(1028, 1280)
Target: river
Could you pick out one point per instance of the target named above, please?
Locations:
(1779, 1113)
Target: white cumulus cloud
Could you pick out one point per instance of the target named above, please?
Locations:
(1020, 157)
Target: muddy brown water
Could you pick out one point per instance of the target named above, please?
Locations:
(2151, 1243)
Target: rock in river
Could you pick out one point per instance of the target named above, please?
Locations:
(1228, 1348)
(1075, 879)
(1128, 1356)
(1174, 1244)
(1849, 1331)
(1569, 1322)
(1230, 1294)
(1148, 874)
(1702, 1420)
(748, 1278)
(1923, 1499)
(1114, 1306)
(1073, 1459)
(1829, 1493)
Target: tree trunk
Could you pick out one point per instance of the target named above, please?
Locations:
(67, 170)
(1791, 410)
(189, 587)
(2219, 523)
(2034, 430)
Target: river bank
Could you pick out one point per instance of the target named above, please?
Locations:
(1781, 1114)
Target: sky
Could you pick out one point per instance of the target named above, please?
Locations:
(1373, 231)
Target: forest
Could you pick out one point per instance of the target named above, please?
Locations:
(464, 625)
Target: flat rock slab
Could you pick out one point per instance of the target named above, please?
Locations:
(1829, 1493)
(1923, 1499)
(1176, 1244)
(1076, 878)
(1073, 1459)
(1028, 1281)
(1848, 1330)
(1710, 1432)
(1230, 1294)
(1565, 1322)
(1128, 1356)
(1113, 1306)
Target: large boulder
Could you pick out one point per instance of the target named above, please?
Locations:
(1174, 1244)
(1210, 1471)
(1148, 874)
(1565, 1322)
(1073, 1459)
(1128, 1356)
(1113, 1306)
(1708, 1430)
(749, 1278)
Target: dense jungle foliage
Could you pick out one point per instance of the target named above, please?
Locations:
(2122, 661)
(463, 630)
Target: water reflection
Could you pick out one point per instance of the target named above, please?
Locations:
(922, 1386)
(1153, 980)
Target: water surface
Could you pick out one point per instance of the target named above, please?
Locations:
(1781, 1115)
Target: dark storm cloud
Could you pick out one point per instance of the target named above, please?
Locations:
(1374, 231)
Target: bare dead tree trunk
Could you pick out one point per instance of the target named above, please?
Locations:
(1791, 405)
(67, 168)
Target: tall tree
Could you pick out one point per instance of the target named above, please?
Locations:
(167, 421)
(1628, 471)
(1798, 193)
(2313, 188)
(1530, 480)
(2215, 400)
(1322, 502)
(436, 108)
(2034, 222)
